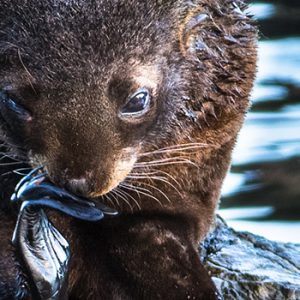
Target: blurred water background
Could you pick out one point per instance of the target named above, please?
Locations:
(262, 192)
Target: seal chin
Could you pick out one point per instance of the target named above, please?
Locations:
(103, 192)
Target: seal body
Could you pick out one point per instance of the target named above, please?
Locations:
(136, 104)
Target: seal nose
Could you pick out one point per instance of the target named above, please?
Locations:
(78, 186)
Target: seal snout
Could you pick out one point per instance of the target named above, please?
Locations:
(78, 186)
(88, 185)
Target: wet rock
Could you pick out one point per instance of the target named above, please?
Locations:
(246, 266)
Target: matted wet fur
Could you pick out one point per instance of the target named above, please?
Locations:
(72, 65)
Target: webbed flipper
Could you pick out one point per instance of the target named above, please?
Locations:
(44, 252)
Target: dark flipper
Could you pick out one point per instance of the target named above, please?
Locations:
(44, 253)
(38, 192)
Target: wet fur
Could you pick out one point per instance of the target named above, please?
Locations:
(65, 65)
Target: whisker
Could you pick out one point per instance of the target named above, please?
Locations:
(134, 187)
(150, 175)
(161, 160)
(12, 157)
(157, 189)
(109, 199)
(122, 185)
(23, 169)
(171, 177)
(130, 196)
(175, 148)
(114, 197)
(162, 179)
(158, 164)
(130, 187)
(138, 188)
(144, 173)
(18, 173)
(181, 145)
(6, 173)
(12, 163)
(117, 192)
(169, 160)
(10, 145)
(138, 176)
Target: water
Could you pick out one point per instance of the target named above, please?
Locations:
(262, 192)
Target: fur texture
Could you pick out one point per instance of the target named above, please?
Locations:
(73, 64)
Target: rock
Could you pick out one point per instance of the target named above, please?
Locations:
(246, 266)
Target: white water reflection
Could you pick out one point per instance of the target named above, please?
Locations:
(280, 231)
(232, 214)
(283, 231)
(279, 60)
(263, 93)
(262, 10)
(271, 135)
(232, 183)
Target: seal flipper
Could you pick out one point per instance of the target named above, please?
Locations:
(72, 209)
(36, 190)
(42, 249)
(44, 252)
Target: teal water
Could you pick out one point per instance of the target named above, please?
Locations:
(261, 194)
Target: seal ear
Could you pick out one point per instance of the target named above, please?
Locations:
(189, 28)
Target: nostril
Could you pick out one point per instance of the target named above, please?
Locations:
(78, 186)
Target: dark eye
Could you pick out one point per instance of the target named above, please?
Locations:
(11, 110)
(137, 105)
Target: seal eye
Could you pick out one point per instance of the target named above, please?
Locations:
(137, 105)
(10, 109)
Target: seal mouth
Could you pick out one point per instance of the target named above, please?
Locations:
(43, 252)
(36, 190)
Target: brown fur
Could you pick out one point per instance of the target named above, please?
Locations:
(72, 64)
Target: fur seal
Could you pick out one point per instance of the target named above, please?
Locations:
(135, 103)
